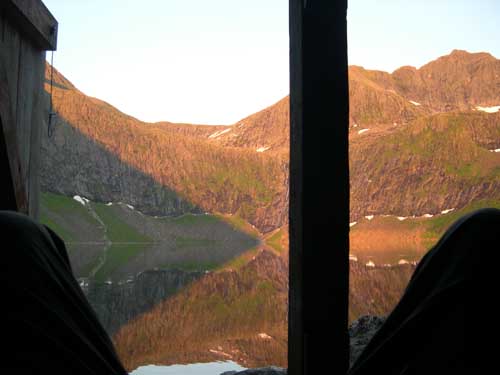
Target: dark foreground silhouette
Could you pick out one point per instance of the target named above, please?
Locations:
(434, 329)
(49, 327)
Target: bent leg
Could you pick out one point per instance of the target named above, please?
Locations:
(50, 326)
(431, 330)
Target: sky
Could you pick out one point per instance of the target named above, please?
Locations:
(218, 61)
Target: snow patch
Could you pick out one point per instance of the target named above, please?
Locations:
(84, 283)
(403, 261)
(352, 224)
(264, 336)
(444, 212)
(81, 200)
(495, 150)
(130, 206)
(401, 218)
(353, 257)
(369, 217)
(220, 352)
(262, 149)
(370, 264)
(493, 109)
(219, 133)
(362, 131)
(427, 215)
(109, 204)
(415, 103)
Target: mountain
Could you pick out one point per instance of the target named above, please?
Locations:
(417, 132)
(459, 81)
(161, 169)
(432, 164)
(191, 220)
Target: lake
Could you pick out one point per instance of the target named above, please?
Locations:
(212, 368)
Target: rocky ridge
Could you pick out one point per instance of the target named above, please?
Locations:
(421, 141)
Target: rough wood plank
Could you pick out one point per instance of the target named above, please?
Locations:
(9, 61)
(35, 21)
(38, 124)
(28, 116)
(7, 193)
(10, 55)
(319, 211)
(9, 137)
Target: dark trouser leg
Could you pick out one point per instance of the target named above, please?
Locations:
(50, 327)
(433, 329)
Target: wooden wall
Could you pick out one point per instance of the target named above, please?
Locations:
(23, 112)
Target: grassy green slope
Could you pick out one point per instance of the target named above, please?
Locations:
(434, 163)
(113, 241)
(388, 240)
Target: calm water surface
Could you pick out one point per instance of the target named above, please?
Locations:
(213, 368)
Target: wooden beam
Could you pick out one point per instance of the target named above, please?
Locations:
(11, 170)
(319, 188)
(7, 193)
(34, 20)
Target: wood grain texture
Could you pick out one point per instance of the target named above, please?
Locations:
(29, 118)
(33, 20)
(13, 175)
(22, 65)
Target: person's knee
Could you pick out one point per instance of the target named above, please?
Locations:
(15, 224)
(483, 223)
(20, 235)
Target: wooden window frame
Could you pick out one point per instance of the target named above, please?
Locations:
(319, 209)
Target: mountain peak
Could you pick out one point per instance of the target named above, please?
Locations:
(463, 54)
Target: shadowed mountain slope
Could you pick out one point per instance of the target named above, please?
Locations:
(96, 151)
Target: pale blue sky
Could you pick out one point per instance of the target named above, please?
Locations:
(217, 61)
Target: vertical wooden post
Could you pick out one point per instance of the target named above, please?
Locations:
(28, 29)
(319, 188)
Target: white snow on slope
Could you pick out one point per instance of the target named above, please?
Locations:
(362, 131)
(444, 212)
(220, 352)
(262, 149)
(369, 217)
(415, 103)
(495, 150)
(493, 109)
(401, 218)
(352, 224)
(264, 336)
(219, 133)
(403, 261)
(370, 264)
(81, 200)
